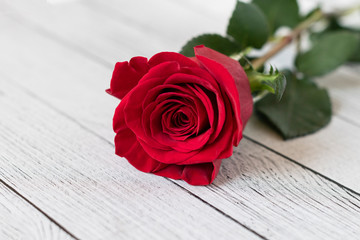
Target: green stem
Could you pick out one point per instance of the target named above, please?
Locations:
(238, 56)
(316, 16)
(347, 12)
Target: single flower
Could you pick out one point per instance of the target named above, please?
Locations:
(179, 116)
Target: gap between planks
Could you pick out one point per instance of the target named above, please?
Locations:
(82, 51)
(145, 196)
(229, 178)
(16, 207)
(33, 95)
(64, 114)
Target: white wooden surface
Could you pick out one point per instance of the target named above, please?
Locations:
(21, 220)
(61, 179)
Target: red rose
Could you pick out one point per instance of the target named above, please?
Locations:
(180, 116)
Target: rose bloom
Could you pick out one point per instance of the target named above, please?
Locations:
(179, 116)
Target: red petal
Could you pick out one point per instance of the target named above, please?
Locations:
(126, 76)
(238, 74)
(210, 84)
(127, 145)
(171, 57)
(134, 106)
(221, 147)
(196, 174)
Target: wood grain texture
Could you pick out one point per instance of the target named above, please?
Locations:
(332, 151)
(57, 111)
(20, 220)
(91, 192)
(280, 199)
(75, 177)
(107, 24)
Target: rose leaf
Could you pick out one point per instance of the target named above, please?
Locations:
(213, 41)
(328, 52)
(303, 109)
(335, 25)
(356, 56)
(279, 12)
(248, 26)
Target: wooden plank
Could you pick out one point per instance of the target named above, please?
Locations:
(321, 151)
(86, 183)
(281, 200)
(256, 188)
(112, 32)
(344, 87)
(20, 220)
(75, 178)
(332, 151)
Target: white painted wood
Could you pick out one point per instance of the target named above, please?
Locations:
(75, 177)
(118, 30)
(321, 151)
(20, 220)
(281, 200)
(344, 87)
(333, 151)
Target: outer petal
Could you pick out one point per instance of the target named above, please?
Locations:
(172, 57)
(126, 76)
(238, 74)
(127, 145)
(229, 92)
(196, 174)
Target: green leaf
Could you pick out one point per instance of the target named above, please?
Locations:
(334, 25)
(213, 41)
(248, 26)
(280, 12)
(303, 109)
(356, 55)
(328, 52)
(274, 82)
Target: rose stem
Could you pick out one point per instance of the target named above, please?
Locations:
(316, 16)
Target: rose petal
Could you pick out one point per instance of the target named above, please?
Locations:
(189, 95)
(228, 85)
(190, 144)
(197, 174)
(148, 129)
(126, 76)
(210, 84)
(205, 111)
(133, 109)
(219, 149)
(126, 144)
(239, 76)
(177, 128)
(171, 56)
(162, 93)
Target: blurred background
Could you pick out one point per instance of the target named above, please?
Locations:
(117, 29)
